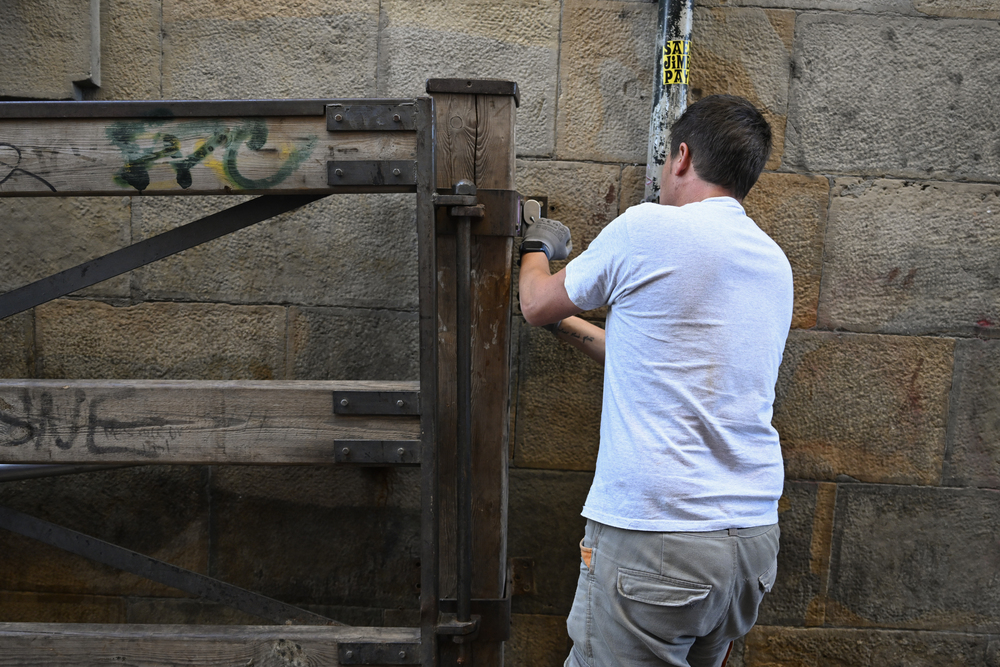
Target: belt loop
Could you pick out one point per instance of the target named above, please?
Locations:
(734, 532)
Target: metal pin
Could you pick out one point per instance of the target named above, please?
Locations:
(345, 451)
(395, 172)
(402, 654)
(339, 118)
(338, 172)
(400, 403)
(400, 451)
(348, 654)
(395, 117)
(343, 401)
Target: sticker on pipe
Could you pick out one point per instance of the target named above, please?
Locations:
(675, 61)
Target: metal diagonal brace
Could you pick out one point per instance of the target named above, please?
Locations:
(150, 250)
(157, 570)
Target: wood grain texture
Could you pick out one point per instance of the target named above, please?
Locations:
(278, 155)
(65, 644)
(185, 421)
(475, 141)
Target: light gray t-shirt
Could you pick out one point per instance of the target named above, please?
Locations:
(701, 303)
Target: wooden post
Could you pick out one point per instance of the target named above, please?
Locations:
(475, 141)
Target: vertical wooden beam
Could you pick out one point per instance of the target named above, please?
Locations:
(476, 142)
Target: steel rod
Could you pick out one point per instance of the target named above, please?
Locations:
(156, 570)
(150, 250)
(669, 92)
(464, 385)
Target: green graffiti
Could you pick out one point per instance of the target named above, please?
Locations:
(166, 147)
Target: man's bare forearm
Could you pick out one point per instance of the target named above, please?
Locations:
(584, 336)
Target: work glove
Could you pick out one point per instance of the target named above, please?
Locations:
(549, 236)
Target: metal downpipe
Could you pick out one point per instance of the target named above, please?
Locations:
(673, 43)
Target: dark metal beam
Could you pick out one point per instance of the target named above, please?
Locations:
(157, 570)
(150, 250)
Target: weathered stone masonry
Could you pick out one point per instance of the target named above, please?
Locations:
(883, 190)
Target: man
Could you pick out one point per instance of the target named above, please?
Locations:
(682, 538)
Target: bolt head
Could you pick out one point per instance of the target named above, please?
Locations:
(343, 401)
(338, 172)
(348, 654)
(396, 117)
(345, 451)
(400, 403)
(400, 451)
(395, 172)
(339, 118)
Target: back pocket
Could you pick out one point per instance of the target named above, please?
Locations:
(658, 589)
(767, 579)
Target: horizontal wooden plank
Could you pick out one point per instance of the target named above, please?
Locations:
(249, 155)
(186, 421)
(64, 644)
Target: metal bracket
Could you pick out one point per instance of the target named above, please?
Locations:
(350, 117)
(493, 615)
(461, 632)
(362, 653)
(377, 452)
(371, 172)
(376, 403)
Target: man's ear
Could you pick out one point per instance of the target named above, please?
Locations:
(683, 160)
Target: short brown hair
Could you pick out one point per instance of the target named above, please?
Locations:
(729, 140)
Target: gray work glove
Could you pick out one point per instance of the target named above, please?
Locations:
(549, 236)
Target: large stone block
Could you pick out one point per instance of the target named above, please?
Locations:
(871, 407)
(536, 640)
(915, 558)
(345, 250)
(159, 511)
(45, 235)
(54, 608)
(868, 6)
(745, 52)
(86, 339)
(313, 49)
(354, 344)
(546, 526)
(319, 535)
(973, 9)
(516, 40)
(606, 80)
(581, 195)
(17, 346)
(805, 516)
(823, 647)
(560, 391)
(888, 96)
(130, 50)
(48, 46)
(973, 455)
(912, 257)
(791, 209)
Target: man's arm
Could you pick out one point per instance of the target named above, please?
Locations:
(584, 336)
(543, 296)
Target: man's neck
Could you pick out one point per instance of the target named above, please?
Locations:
(696, 191)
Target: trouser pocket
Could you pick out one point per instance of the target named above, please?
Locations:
(586, 553)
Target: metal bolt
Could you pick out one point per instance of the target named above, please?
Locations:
(339, 118)
(395, 117)
(526, 587)
(402, 654)
(400, 403)
(348, 654)
(343, 401)
(395, 172)
(338, 172)
(400, 451)
(345, 451)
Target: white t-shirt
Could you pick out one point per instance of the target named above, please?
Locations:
(701, 303)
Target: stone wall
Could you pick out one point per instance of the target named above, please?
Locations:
(884, 192)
